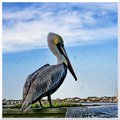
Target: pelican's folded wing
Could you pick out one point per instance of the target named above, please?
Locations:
(43, 83)
(31, 78)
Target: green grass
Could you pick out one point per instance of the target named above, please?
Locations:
(55, 103)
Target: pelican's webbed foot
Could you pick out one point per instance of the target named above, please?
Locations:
(51, 106)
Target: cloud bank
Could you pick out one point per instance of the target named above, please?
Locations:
(25, 26)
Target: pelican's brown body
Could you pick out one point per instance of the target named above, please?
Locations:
(46, 80)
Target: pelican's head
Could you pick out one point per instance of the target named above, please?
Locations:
(56, 45)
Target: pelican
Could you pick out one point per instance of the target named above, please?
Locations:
(47, 79)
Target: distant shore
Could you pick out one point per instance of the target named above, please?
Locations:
(106, 99)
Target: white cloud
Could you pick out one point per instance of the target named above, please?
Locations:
(27, 34)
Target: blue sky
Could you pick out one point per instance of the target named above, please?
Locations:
(90, 35)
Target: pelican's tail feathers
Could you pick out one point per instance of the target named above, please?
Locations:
(25, 106)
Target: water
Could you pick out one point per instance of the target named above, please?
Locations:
(105, 110)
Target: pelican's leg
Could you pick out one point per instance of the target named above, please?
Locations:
(40, 103)
(49, 99)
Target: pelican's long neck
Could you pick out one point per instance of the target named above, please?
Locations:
(54, 49)
(56, 53)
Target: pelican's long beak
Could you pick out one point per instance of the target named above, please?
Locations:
(63, 52)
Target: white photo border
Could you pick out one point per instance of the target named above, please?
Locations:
(58, 1)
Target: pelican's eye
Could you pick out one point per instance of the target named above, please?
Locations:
(61, 44)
